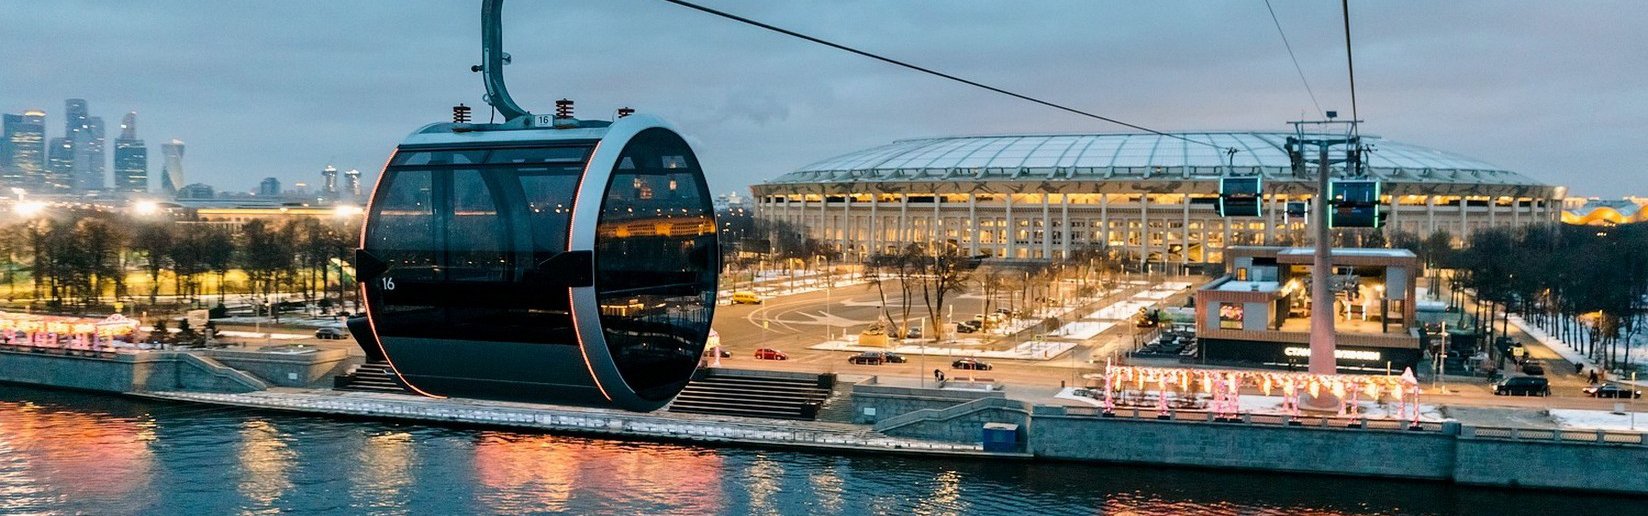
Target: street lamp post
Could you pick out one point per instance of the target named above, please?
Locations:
(1442, 362)
(827, 325)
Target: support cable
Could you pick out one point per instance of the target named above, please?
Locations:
(1295, 59)
(928, 71)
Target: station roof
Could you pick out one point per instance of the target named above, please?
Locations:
(1128, 156)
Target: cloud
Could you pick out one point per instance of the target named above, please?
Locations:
(283, 88)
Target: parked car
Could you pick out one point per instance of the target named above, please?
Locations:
(770, 354)
(744, 297)
(970, 363)
(1523, 386)
(867, 358)
(1611, 390)
(330, 333)
(966, 328)
(1533, 369)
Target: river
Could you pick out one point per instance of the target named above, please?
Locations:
(76, 453)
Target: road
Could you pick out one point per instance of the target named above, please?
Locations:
(793, 323)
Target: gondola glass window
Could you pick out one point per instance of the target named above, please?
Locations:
(1239, 196)
(1356, 205)
(655, 263)
(462, 234)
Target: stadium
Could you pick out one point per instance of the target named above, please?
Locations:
(1153, 197)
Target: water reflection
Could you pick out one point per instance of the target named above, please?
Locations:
(946, 496)
(537, 473)
(51, 456)
(265, 461)
(70, 453)
(826, 486)
(384, 469)
(763, 478)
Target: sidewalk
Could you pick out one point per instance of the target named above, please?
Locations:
(1566, 351)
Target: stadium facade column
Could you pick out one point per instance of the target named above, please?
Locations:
(788, 209)
(902, 234)
(1430, 215)
(849, 229)
(1104, 216)
(1464, 218)
(1270, 219)
(1144, 229)
(1046, 227)
(973, 224)
(937, 228)
(824, 215)
(1184, 236)
(1008, 249)
(1064, 225)
(1390, 215)
(875, 225)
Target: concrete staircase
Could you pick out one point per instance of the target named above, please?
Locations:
(768, 394)
(368, 377)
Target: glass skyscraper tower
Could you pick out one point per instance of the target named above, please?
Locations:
(131, 158)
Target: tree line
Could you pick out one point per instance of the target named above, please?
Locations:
(1586, 285)
(82, 261)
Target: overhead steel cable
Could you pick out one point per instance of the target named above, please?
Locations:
(927, 71)
(1295, 59)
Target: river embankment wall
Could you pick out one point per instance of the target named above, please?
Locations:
(126, 372)
(1585, 460)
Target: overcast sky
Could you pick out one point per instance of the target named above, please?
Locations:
(1555, 90)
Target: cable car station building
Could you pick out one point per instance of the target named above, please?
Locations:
(1154, 198)
(1259, 313)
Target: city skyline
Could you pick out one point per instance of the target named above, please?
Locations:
(78, 161)
(1520, 86)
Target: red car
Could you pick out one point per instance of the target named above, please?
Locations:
(770, 354)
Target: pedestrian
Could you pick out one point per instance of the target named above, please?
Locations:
(938, 375)
(1579, 368)
(1593, 376)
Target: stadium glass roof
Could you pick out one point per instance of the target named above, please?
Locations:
(1122, 156)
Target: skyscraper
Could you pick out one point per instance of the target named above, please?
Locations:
(59, 176)
(90, 158)
(270, 187)
(171, 174)
(131, 158)
(23, 158)
(329, 176)
(83, 135)
(351, 185)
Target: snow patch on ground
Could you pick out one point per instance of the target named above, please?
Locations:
(1600, 419)
(1026, 351)
(1083, 330)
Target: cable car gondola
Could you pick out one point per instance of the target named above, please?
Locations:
(1239, 196)
(543, 259)
(1355, 204)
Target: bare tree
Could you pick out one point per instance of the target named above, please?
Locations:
(154, 241)
(943, 272)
